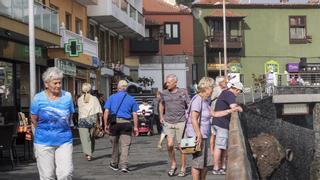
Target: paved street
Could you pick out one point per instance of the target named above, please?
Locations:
(146, 162)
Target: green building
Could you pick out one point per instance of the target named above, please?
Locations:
(260, 37)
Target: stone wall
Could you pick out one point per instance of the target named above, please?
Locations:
(260, 117)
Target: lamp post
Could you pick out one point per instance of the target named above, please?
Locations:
(32, 61)
(224, 39)
(161, 36)
(205, 42)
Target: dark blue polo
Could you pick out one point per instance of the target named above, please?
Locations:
(128, 106)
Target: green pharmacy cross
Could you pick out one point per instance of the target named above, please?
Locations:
(73, 47)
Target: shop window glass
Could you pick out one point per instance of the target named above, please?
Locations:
(6, 84)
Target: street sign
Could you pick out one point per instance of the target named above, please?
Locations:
(73, 47)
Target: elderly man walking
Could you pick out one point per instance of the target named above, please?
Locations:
(125, 108)
(173, 102)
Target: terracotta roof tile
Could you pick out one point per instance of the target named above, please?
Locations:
(215, 1)
(229, 13)
(160, 6)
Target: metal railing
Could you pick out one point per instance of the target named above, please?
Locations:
(44, 17)
(90, 47)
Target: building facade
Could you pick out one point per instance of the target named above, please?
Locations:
(114, 22)
(260, 37)
(168, 44)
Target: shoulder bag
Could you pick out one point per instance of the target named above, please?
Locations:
(188, 144)
(112, 118)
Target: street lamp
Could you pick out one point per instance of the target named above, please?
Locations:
(161, 37)
(205, 42)
(224, 39)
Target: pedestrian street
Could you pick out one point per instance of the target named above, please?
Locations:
(145, 162)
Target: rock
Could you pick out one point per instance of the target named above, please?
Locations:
(268, 153)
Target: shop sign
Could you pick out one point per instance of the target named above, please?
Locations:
(271, 65)
(67, 67)
(234, 67)
(214, 67)
(82, 73)
(95, 62)
(293, 67)
(73, 47)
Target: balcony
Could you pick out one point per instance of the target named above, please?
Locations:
(145, 45)
(90, 47)
(233, 42)
(88, 2)
(119, 16)
(44, 17)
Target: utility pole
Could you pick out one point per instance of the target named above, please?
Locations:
(32, 60)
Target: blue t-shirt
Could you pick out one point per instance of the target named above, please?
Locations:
(224, 101)
(53, 127)
(128, 106)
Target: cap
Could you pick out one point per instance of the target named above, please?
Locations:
(237, 85)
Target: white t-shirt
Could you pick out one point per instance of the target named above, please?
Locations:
(147, 108)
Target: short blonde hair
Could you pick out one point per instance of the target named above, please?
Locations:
(204, 83)
(122, 85)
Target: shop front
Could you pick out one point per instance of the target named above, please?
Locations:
(15, 78)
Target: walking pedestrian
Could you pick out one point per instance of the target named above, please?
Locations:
(173, 102)
(51, 112)
(90, 113)
(226, 100)
(125, 108)
(199, 126)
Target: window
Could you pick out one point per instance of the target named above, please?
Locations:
(124, 6)
(68, 21)
(172, 31)
(78, 25)
(92, 30)
(297, 29)
(133, 12)
(102, 50)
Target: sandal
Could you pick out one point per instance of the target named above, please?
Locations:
(182, 174)
(89, 158)
(172, 171)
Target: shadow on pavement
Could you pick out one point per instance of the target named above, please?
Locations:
(139, 166)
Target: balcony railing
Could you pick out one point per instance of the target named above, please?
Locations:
(145, 45)
(233, 42)
(44, 17)
(90, 47)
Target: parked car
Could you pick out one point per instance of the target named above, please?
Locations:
(133, 87)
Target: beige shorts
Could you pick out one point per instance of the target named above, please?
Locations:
(174, 130)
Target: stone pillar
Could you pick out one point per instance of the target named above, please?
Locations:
(315, 166)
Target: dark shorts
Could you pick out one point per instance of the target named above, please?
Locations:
(121, 128)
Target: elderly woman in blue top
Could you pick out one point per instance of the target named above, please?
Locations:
(125, 108)
(51, 112)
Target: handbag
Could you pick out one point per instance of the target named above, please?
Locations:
(98, 131)
(88, 122)
(188, 144)
(112, 118)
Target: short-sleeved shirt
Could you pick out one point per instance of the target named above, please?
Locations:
(175, 104)
(128, 106)
(224, 101)
(199, 104)
(53, 128)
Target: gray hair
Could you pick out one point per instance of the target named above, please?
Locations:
(219, 79)
(204, 83)
(172, 76)
(52, 73)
